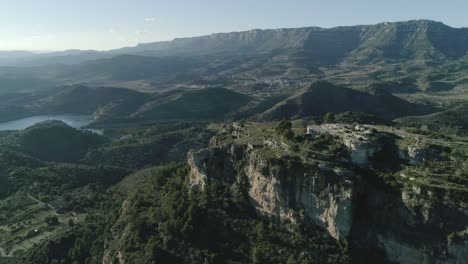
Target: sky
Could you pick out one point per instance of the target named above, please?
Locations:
(46, 25)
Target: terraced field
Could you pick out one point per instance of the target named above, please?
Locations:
(26, 222)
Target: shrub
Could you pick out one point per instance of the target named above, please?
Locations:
(328, 118)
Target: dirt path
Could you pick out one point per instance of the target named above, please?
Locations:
(3, 253)
(46, 204)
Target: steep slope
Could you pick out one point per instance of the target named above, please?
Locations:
(322, 97)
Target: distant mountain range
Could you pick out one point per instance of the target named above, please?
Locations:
(416, 39)
(354, 56)
(15, 54)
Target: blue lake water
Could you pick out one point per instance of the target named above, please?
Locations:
(75, 121)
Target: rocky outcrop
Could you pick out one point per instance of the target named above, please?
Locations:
(216, 165)
(361, 141)
(410, 224)
(420, 153)
(286, 189)
(197, 162)
(361, 151)
(364, 142)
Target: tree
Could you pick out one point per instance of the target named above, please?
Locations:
(284, 125)
(258, 254)
(78, 252)
(328, 118)
(291, 260)
(260, 230)
(152, 250)
(284, 128)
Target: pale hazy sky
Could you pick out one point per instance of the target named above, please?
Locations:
(107, 24)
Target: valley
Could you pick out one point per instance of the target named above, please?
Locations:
(292, 145)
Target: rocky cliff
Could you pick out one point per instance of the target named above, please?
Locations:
(287, 188)
(403, 222)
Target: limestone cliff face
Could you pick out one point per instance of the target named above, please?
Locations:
(219, 165)
(289, 189)
(286, 189)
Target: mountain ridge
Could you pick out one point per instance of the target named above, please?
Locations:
(209, 44)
